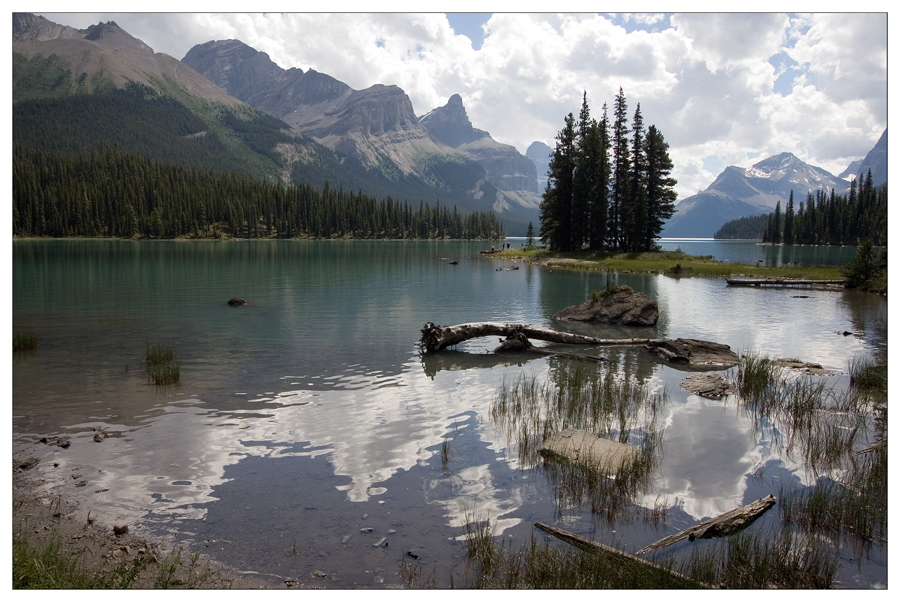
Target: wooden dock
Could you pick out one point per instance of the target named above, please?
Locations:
(780, 282)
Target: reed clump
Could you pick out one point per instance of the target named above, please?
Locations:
(758, 560)
(539, 565)
(841, 436)
(868, 374)
(24, 341)
(163, 367)
(585, 398)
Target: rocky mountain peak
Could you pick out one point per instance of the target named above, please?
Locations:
(27, 26)
(450, 124)
(234, 66)
(112, 36)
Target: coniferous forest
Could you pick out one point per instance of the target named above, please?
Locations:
(610, 185)
(830, 219)
(105, 192)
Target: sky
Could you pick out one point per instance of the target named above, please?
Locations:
(723, 88)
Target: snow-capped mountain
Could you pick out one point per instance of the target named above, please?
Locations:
(740, 192)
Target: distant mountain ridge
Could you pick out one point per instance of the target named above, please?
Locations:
(108, 56)
(376, 125)
(512, 173)
(308, 127)
(741, 192)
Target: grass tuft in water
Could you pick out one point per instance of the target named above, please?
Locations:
(163, 368)
(867, 374)
(597, 401)
(540, 565)
(755, 560)
(24, 341)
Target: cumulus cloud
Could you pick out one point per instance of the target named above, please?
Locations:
(706, 80)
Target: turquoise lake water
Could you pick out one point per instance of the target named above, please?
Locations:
(308, 415)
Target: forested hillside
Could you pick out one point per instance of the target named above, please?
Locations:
(832, 219)
(751, 227)
(823, 219)
(108, 192)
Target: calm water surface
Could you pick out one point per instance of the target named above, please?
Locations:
(307, 416)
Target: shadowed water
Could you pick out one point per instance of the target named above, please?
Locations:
(307, 416)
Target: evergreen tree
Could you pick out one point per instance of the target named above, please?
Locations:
(661, 193)
(583, 178)
(556, 206)
(621, 177)
(599, 145)
(776, 224)
(789, 221)
(529, 236)
(636, 213)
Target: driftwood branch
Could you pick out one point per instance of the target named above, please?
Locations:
(593, 547)
(720, 526)
(517, 341)
(435, 338)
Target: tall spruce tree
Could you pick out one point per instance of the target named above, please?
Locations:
(599, 144)
(583, 178)
(621, 177)
(636, 214)
(556, 206)
(661, 193)
(789, 221)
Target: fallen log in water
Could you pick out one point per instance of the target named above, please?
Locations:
(720, 526)
(593, 547)
(435, 338)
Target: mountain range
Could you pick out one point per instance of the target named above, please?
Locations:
(289, 125)
(741, 192)
(231, 107)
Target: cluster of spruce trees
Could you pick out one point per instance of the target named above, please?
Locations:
(832, 219)
(107, 192)
(609, 186)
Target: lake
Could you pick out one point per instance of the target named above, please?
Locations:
(306, 426)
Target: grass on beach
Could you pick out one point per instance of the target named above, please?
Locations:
(664, 262)
(24, 341)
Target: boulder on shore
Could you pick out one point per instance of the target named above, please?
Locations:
(709, 385)
(694, 353)
(619, 305)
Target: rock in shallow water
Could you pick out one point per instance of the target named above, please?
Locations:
(619, 305)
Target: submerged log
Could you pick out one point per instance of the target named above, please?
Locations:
(584, 447)
(721, 526)
(593, 547)
(435, 338)
(517, 341)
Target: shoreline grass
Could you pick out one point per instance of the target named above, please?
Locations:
(24, 341)
(664, 262)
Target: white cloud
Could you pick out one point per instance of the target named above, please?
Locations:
(704, 79)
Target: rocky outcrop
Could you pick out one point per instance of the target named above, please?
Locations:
(619, 305)
(506, 167)
(709, 385)
(513, 174)
(109, 56)
(694, 353)
(371, 125)
(539, 154)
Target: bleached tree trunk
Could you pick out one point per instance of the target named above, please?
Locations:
(435, 338)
